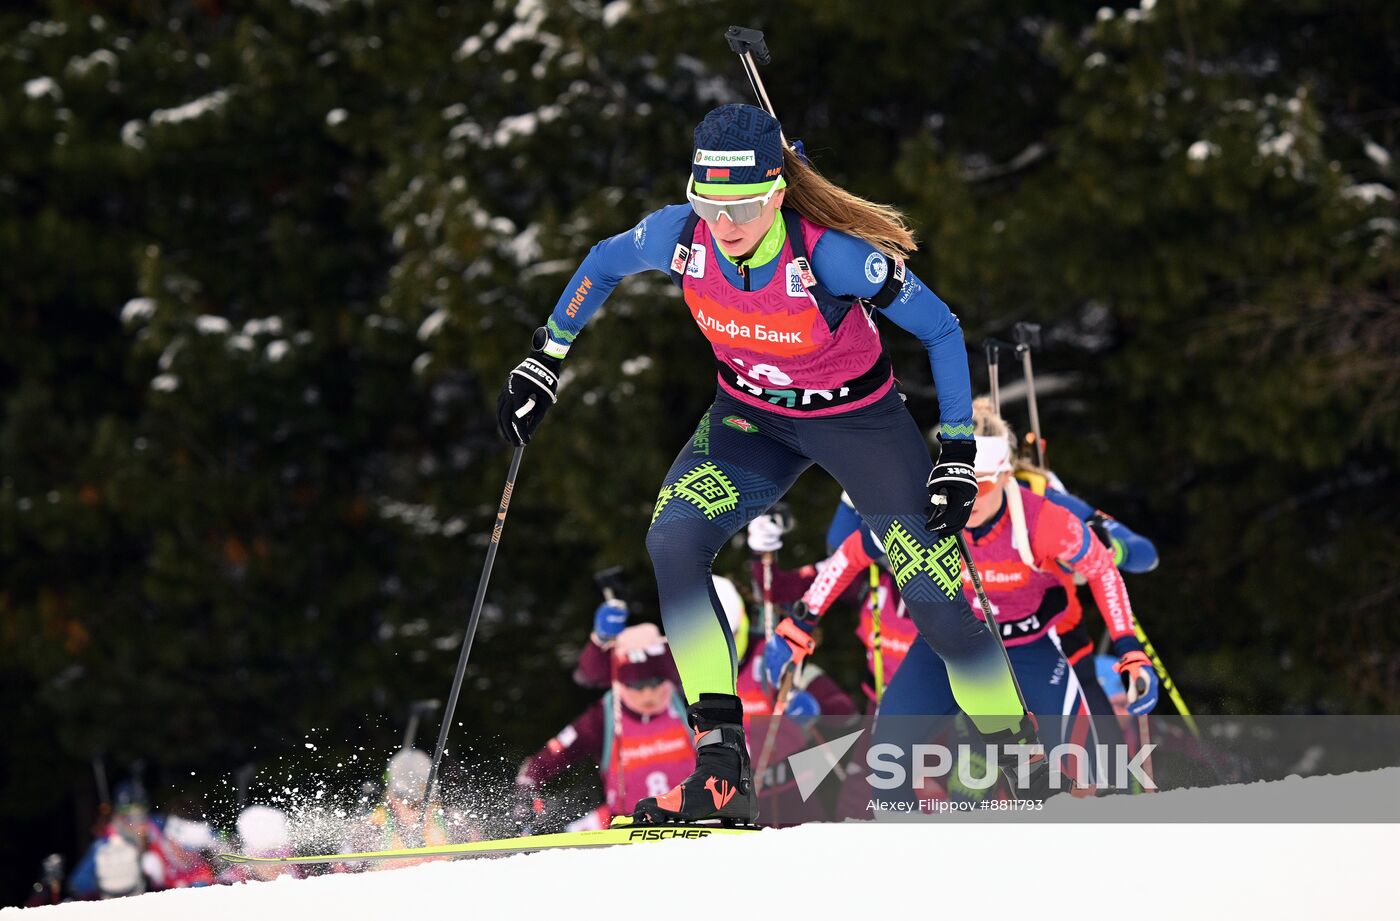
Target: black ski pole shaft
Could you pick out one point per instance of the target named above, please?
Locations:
(416, 711)
(471, 631)
(990, 617)
(104, 792)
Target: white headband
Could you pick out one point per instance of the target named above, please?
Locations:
(993, 455)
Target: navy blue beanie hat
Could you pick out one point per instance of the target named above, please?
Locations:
(738, 151)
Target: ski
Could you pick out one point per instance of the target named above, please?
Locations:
(619, 834)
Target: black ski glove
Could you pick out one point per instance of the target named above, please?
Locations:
(952, 487)
(529, 392)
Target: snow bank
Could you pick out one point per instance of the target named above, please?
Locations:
(948, 869)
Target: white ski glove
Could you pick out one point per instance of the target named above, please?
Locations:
(765, 534)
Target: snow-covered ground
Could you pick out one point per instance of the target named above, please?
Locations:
(960, 870)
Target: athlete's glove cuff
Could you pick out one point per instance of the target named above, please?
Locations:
(952, 487)
(1142, 682)
(1124, 645)
(531, 388)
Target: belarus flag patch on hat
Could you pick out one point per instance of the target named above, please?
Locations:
(716, 175)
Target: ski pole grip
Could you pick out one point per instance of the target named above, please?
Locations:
(782, 513)
(748, 41)
(995, 347)
(1027, 334)
(610, 583)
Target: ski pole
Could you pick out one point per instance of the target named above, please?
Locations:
(242, 782)
(1027, 336)
(780, 701)
(618, 777)
(990, 617)
(771, 739)
(1167, 682)
(1144, 740)
(993, 349)
(104, 791)
(876, 642)
(783, 516)
(752, 50)
(471, 626)
(610, 582)
(416, 711)
(767, 596)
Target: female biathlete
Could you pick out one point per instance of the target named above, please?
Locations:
(1025, 548)
(1131, 553)
(636, 733)
(816, 694)
(785, 273)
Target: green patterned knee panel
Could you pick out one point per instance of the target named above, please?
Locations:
(704, 486)
(909, 558)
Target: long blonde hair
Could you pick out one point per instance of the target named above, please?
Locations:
(989, 424)
(823, 202)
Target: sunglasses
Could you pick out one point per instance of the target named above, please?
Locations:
(645, 684)
(985, 486)
(740, 211)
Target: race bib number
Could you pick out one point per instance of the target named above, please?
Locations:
(794, 286)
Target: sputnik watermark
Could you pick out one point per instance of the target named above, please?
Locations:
(1106, 767)
(976, 767)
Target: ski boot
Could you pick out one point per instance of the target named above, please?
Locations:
(721, 789)
(1037, 783)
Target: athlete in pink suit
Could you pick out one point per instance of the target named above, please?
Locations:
(636, 733)
(756, 695)
(1026, 549)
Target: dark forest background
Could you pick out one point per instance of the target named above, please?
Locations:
(264, 265)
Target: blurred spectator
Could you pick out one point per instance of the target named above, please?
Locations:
(48, 890)
(262, 832)
(396, 823)
(126, 858)
(187, 846)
